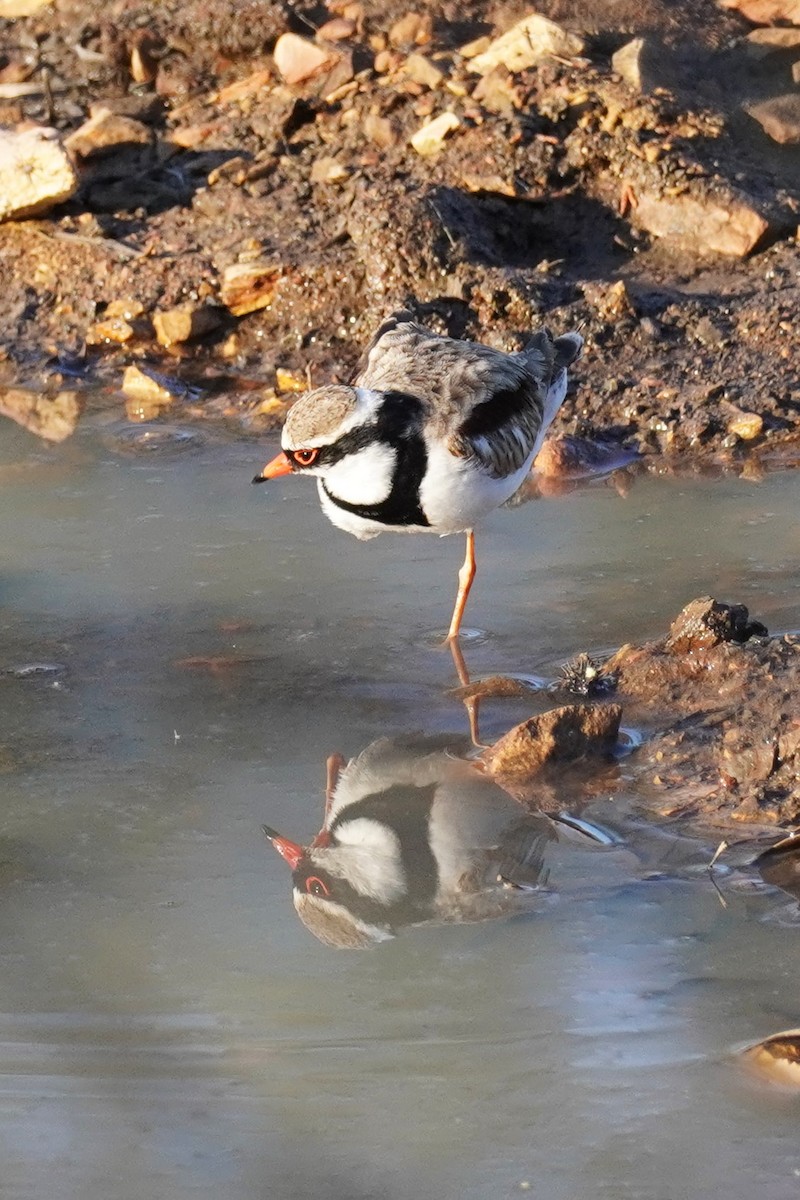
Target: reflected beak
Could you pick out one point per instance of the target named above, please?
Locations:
(279, 465)
(288, 850)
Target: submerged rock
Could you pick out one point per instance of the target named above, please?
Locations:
(560, 736)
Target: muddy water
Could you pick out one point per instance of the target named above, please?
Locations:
(180, 653)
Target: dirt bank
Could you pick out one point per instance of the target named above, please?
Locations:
(283, 220)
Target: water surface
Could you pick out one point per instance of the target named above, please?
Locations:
(168, 1026)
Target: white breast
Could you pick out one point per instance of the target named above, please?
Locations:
(456, 493)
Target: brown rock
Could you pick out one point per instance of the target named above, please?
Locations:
(705, 623)
(338, 29)
(147, 393)
(111, 329)
(176, 325)
(422, 70)
(329, 170)
(35, 172)
(766, 12)
(298, 59)
(243, 89)
(779, 118)
(144, 61)
(247, 287)
(762, 42)
(745, 425)
(611, 301)
(562, 735)
(796, 71)
(107, 131)
(50, 417)
(414, 29)
(379, 130)
(527, 43)
(723, 222)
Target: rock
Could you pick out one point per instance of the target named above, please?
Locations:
(145, 46)
(35, 173)
(149, 108)
(632, 63)
(724, 221)
(298, 59)
(50, 417)
(247, 287)
(760, 43)
(473, 49)
(329, 170)
(422, 70)
(706, 622)
(498, 92)
(779, 118)
(11, 9)
(243, 89)
(796, 71)
(766, 12)
(379, 130)
(107, 131)
(146, 392)
(745, 425)
(177, 325)
(562, 735)
(430, 137)
(338, 29)
(527, 43)
(414, 29)
(290, 381)
(110, 329)
(611, 301)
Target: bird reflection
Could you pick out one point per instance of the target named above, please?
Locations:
(414, 834)
(780, 865)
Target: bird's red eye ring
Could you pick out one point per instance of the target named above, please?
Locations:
(316, 887)
(304, 458)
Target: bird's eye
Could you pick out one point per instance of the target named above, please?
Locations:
(315, 886)
(305, 458)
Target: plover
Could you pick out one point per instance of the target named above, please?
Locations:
(433, 434)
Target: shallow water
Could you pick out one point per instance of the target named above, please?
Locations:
(168, 1026)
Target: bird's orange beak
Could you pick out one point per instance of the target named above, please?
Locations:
(281, 464)
(288, 850)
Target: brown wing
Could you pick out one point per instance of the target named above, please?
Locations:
(487, 404)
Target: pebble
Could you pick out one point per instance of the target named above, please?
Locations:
(176, 325)
(146, 394)
(430, 137)
(297, 59)
(422, 70)
(106, 130)
(527, 43)
(766, 12)
(35, 172)
(247, 287)
(779, 118)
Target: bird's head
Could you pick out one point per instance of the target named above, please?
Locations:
(321, 429)
(332, 906)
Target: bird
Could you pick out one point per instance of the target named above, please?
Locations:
(414, 834)
(432, 435)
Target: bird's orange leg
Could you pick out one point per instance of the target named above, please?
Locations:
(465, 578)
(471, 703)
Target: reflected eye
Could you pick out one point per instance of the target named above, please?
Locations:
(315, 886)
(305, 458)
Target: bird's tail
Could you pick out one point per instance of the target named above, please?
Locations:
(565, 350)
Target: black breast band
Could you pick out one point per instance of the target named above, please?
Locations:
(398, 426)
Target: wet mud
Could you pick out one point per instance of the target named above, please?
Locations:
(245, 234)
